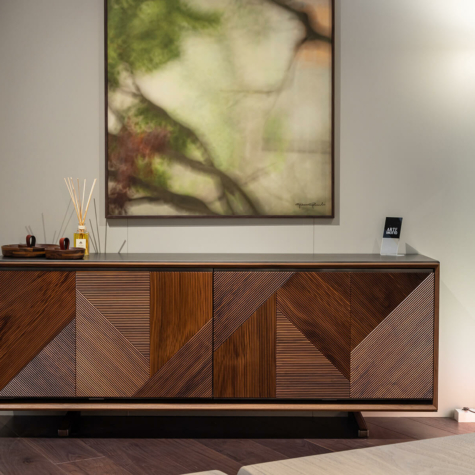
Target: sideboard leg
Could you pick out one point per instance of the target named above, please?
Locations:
(68, 423)
(363, 431)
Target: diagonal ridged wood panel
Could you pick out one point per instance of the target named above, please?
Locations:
(318, 304)
(34, 308)
(107, 364)
(124, 299)
(395, 361)
(182, 303)
(237, 295)
(244, 365)
(374, 295)
(52, 373)
(188, 374)
(302, 371)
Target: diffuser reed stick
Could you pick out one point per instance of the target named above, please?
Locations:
(81, 238)
(64, 219)
(94, 242)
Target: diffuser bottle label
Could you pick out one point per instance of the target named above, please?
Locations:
(81, 243)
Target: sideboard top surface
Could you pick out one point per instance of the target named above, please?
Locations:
(228, 260)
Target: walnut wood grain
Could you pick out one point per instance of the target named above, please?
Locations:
(374, 295)
(52, 373)
(244, 365)
(107, 364)
(34, 308)
(237, 295)
(217, 406)
(188, 373)
(302, 370)
(318, 304)
(181, 304)
(124, 299)
(396, 360)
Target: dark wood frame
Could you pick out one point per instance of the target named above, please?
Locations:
(332, 146)
(133, 405)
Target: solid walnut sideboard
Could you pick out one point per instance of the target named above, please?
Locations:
(254, 332)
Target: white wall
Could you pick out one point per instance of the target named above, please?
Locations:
(406, 113)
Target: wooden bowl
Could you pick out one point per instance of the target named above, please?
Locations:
(68, 254)
(23, 252)
(49, 246)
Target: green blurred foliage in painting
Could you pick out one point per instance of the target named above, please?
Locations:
(210, 107)
(143, 35)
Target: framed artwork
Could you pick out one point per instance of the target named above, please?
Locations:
(219, 108)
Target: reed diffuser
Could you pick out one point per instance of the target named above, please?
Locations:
(81, 237)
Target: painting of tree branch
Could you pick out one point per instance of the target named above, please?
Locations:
(219, 108)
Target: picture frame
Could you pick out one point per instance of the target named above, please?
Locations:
(239, 199)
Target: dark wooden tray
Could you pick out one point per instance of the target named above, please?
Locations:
(21, 251)
(61, 254)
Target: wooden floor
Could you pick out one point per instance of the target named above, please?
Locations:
(179, 445)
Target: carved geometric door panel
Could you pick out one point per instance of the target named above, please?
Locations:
(303, 372)
(313, 336)
(181, 336)
(281, 334)
(112, 333)
(244, 365)
(374, 295)
(245, 333)
(394, 358)
(37, 311)
(51, 373)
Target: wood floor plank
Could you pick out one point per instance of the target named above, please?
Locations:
(154, 456)
(63, 450)
(293, 448)
(378, 432)
(19, 458)
(188, 453)
(409, 427)
(139, 457)
(445, 423)
(244, 452)
(98, 466)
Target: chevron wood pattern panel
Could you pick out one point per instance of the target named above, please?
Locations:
(302, 370)
(396, 360)
(124, 299)
(188, 373)
(52, 373)
(182, 303)
(374, 295)
(244, 365)
(107, 364)
(237, 295)
(34, 308)
(318, 304)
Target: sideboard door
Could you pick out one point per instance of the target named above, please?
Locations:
(392, 335)
(181, 336)
(281, 335)
(37, 334)
(113, 333)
